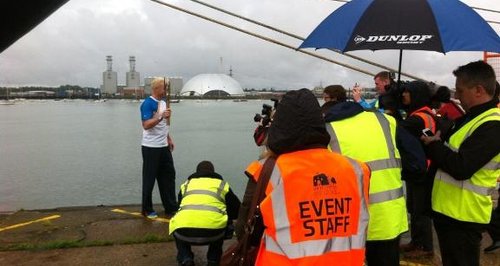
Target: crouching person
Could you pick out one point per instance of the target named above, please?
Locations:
(206, 205)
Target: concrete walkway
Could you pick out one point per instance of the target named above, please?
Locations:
(109, 235)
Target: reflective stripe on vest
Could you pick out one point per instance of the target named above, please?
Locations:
(311, 247)
(425, 114)
(201, 197)
(429, 122)
(386, 195)
(372, 141)
(201, 208)
(467, 200)
(376, 165)
(217, 195)
(464, 184)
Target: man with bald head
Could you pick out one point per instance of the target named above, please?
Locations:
(157, 146)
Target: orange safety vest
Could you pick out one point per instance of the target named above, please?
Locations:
(315, 211)
(425, 113)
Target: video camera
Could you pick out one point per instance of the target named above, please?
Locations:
(266, 115)
(264, 119)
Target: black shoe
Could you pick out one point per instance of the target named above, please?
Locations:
(493, 246)
(169, 215)
(187, 263)
(212, 263)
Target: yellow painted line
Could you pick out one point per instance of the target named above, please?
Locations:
(30, 222)
(159, 219)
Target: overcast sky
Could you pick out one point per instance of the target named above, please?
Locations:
(70, 46)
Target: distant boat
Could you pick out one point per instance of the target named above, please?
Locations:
(240, 100)
(7, 102)
(175, 100)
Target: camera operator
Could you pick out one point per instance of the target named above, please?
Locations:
(264, 120)
(388, 100)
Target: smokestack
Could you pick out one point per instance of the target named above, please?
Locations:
(109, 60)
(132, 63)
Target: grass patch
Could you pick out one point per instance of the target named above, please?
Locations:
(149, 238)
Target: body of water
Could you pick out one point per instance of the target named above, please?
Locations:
(78, 153)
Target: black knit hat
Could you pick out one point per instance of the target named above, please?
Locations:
(298, 124)
(442, 94)
(205, 167)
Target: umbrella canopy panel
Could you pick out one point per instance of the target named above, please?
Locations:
(21, 16)
(433, 25)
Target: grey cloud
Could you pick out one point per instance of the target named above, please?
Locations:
(71, 45)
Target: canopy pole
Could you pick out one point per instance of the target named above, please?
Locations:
(399, 67)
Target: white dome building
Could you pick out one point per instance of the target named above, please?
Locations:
(212, 85)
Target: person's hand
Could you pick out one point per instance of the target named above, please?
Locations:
(158, 116)
(356, 93)
(170, 142)
(167, 113)
(426, 140)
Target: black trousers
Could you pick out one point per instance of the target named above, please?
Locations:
(459, 244)
(494, 225)
(158, 164)
(214, 251)
(383, 252)
(418, 197)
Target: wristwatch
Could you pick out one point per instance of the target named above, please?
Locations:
(160, 118)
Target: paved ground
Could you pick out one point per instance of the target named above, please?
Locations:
(122, 235)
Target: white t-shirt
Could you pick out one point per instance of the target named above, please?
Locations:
(156, 136)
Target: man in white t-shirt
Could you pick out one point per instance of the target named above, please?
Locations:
(157, 146)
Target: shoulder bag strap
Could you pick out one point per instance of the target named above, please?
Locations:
(260, 191)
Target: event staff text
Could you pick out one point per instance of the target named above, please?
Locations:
(325, 216)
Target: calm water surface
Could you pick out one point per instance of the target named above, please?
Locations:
(77, 153)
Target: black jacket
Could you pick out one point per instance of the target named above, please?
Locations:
(297, 124)
(232, 201)
(478, 149)
(420, 96)
(410, 149)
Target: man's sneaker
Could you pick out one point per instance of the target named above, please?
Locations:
(150, 215)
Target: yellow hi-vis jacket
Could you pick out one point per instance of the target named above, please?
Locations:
(467, 200)
(371, 137)
(315, 211)
(202, 206)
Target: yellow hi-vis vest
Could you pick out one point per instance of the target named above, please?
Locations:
(371, 138)
(468, 200)
(202, 206)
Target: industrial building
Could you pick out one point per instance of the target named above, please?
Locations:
(176, 84)
(109, 78)
(132, 87)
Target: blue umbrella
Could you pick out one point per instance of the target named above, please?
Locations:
(432, 25)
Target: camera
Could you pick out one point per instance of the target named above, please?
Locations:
(266, 114)
(264, 119)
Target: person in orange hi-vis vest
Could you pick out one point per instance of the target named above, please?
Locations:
(315, 209)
